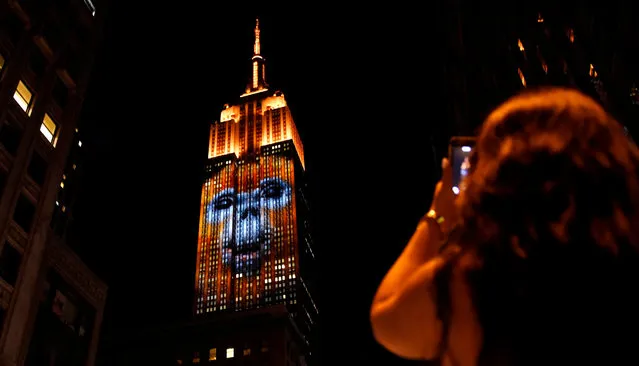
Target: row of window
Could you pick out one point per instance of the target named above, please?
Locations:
(24, 97)
(23, 94)
(10, 136)
(230, 353)
(23, 216)
(570, 34)
(25, 209)
(592, 72)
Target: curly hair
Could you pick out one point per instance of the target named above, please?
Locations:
(550, 222)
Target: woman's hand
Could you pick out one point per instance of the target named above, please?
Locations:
(444, 199)
(403, 314)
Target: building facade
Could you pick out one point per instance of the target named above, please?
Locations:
(255, 272)
(50, 303)
(260, 337)
(254, 247)
(495, 51)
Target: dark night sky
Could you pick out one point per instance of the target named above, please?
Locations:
(361, 89)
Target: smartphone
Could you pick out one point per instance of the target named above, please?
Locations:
(459, 151)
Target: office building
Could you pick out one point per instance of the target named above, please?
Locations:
(255, 271)
(50, 302)
(496, 51)
(255, 249)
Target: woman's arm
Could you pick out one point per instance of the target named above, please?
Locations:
(403, 314)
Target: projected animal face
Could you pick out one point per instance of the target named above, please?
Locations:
(247, 220)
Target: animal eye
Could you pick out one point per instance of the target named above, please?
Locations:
(272, 189)
(223, 202)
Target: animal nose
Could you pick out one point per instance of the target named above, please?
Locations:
(251, 209)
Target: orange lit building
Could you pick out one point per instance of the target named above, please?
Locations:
(51, 303)
(254, 247)
(250, 234)
(255, 265)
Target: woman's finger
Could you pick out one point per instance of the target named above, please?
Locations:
(447, 174)
(438, 188)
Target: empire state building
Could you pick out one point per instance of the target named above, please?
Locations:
(254, 246)
(255, 266)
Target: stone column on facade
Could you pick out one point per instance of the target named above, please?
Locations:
(24, 303)
(95, 336)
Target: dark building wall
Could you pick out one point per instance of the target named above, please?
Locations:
(258, 337)
(47, 50)
(560, 41)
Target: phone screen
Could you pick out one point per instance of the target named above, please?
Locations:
(460, 159)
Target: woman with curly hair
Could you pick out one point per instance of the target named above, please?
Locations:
(541, 265)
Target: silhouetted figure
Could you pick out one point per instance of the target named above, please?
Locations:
(542, 267)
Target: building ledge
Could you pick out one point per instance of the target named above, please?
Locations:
(73, 270)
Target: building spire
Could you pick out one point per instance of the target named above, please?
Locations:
(256, 46)
(258, 75)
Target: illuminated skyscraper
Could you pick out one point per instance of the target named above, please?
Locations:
(250, 230)
(255, 263)
(254, 246)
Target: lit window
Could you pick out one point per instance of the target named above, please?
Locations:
(571, 35)
(246, 352)
(634, 94)
(213, 354)
(255, 72)
(48, 128)
(521, 76)
(230, 352)
(23, 96)
(196, 357)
